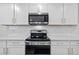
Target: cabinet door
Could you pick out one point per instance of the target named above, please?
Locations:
(74, 50)
(38, 7)
(55, 13)
(16, 47)
(33, 8)
(2, 47)
(59, 50)
(2, 51)
(59, 47)
(71, 13)
(75, 47)
(21, 13)
(16, 51)
(77, 50)
(6, 13)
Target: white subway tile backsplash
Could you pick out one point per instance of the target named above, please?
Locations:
(54, 32)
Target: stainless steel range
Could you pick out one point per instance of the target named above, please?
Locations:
(38, 43)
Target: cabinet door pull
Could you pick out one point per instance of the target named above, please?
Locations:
(70, 51)
(4, 51)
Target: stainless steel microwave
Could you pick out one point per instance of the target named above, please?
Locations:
(38, 19)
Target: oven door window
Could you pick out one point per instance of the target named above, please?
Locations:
(38, 49)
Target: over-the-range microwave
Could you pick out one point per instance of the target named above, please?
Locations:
(38, 19)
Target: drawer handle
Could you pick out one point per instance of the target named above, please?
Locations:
(70, 51)
(4, 50)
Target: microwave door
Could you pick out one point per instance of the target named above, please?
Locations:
(38, 19)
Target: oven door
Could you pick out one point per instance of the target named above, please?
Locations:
(37, 50)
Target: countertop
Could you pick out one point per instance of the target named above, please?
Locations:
(23, 38)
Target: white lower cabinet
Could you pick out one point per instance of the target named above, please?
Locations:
(77, 50)
(12, 47)
(59, 50)
(74, 50)
(2, 52)
(75, 47)
(2, 47)
(15, 47)
(16, 51)
(59, 47)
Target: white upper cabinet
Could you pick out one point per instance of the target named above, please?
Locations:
(70, 13)
(59, 13)
(21, 13)
(6, 13)
(38, 7)
(55, 13)
(63, 14)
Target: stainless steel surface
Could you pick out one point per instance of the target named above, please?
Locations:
(38, 42)
(38, 31)
(38, 19)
